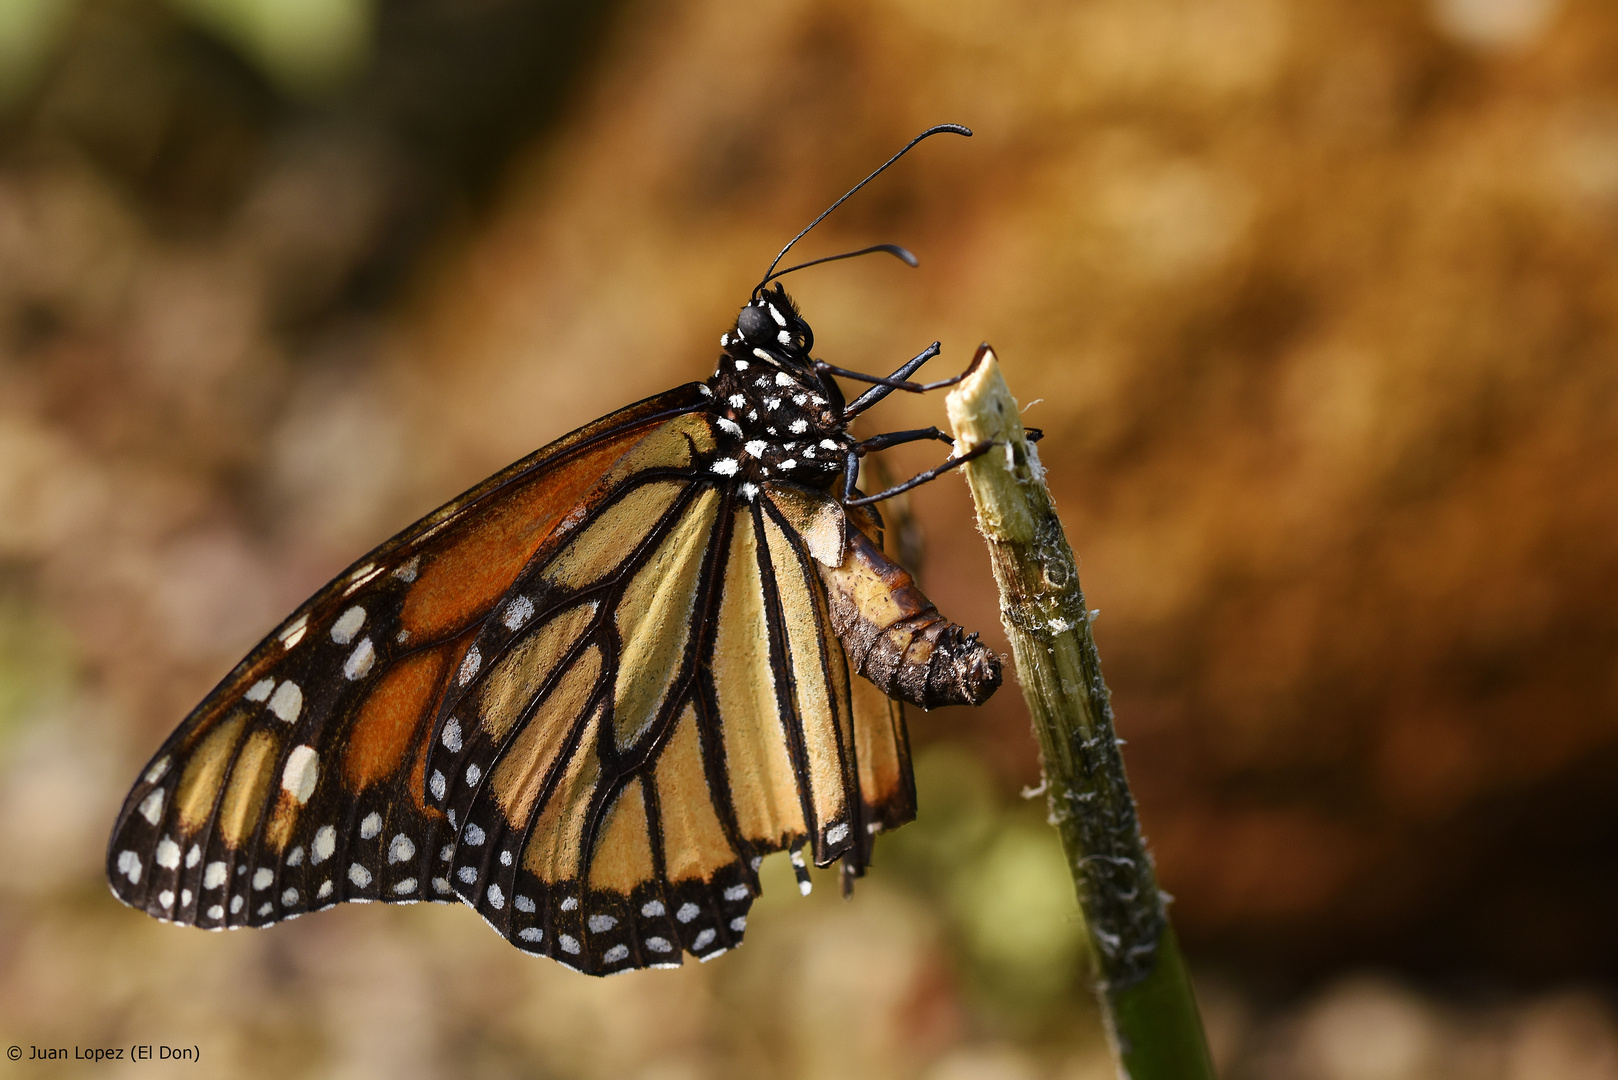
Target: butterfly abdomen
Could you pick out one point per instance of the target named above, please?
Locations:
(895, 637)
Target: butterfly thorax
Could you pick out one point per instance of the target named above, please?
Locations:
(779, 419)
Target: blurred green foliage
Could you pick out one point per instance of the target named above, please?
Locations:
(38, 661)
(1003, 881)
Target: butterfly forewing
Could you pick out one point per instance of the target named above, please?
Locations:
(291, 786)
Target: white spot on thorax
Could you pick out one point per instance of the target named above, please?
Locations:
(776, 315)
(730, 427)
(789, 463)
(772, 403)
(347, 625)
(741, 365)
(827, 444)
(705, 390)
(783, 379)
(737, 401)
(725, 467)
(287, 701)
(749, 491)
(756, 447)
(301, 773)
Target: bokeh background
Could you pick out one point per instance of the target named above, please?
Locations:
(1316, 301)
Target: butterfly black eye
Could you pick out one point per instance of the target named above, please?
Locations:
(756, 326)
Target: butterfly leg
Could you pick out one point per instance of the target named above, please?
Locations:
(883, 389)
(801, 869)
(852, 467)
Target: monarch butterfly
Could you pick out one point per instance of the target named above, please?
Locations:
(589, 695)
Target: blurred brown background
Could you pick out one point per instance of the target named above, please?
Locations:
(1319, 305)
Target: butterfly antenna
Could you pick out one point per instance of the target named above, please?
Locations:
(770, 274)
(892, 249)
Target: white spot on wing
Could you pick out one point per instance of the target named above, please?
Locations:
(371, 825)
(531, 934)
(151, 807)
(408, 885)
(657, 944)
(704, 939)
(159, 769)
(473, 836)
(569, 903)
(524, 904)
(213, 875)
(287, 701)
(193, 856)
(437, 785)
(294, 632)
(300, 775)
(289, 898)
(359, 662)
(360, 876)
(652, 909)
(469, 665)
(263, 878)
(185, 897)
(736, 892)
(260, 690)
(837, 833)
(401, 849)
(325, 843)
(600, 924)
(739, 923)
(347, 625)
(168, 854)
(166, 898)
(687, 912)
(295, 856)
(473, 775)
(467, 874)
(451, 736)
(569, 945)
(518, 612)
(325, 890)
(616, 954)
(407, 572)
(497, 899)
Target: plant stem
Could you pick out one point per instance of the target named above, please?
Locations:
(1142, 983)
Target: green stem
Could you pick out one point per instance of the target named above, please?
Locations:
(1145, 992)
